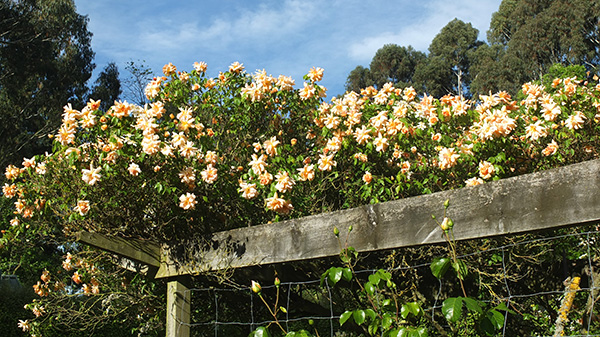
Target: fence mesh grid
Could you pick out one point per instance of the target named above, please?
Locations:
(529, 273)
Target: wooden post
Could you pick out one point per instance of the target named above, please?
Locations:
(178, 307)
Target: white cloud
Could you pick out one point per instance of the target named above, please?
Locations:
(245, 27)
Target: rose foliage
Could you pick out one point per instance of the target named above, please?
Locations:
(211, 154)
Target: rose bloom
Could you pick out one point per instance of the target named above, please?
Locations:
(405, 167)
(331, 121)
(334, 144)
(76, 278)
(550, 149)
(315, 74)
(151, 144)
(29, 162)
(200, 66)
(473, 181)
(362, 135)
(9, 191)
(326, 162)
(307, 172)
(12, 172)
(236, 67)
(575, 121)
(248, 190)
(24, 324)
(265, 178)
(278, 205)
(381, 143)
(83, 207)
(447, 158)
(307, 92)
(284, 182)
(188, 150)
(187, 176)
(40, 168)
(362, 157)
(535, 131)
(134, 169)
(209, 175)
(257, 163)
(92, 175)
(169, 69)
(367, 177)
(270, 146)
(486, 169)
(187, 201)
(211, 157)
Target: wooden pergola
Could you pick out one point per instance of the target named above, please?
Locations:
(554, 198)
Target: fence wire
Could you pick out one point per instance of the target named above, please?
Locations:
(528, 273)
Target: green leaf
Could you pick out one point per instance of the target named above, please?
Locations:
(496, 318)
(396, 332)
(473, 305)
(371, 314)
(335, 275)
(387, 321)
(345, 316)
(384, 275)
(413, 308)
(347, 274)
(359, 316)
(261, 331)
(461, 269)
(370, 288)
(440, 266)
(422, 332)
(451, 308)
(374, 279)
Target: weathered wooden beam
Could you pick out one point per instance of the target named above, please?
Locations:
(178, 307)
(552, 198)
(136, 250)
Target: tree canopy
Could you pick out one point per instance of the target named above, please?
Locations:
(107, 87)
(525, 39)
(45, 62)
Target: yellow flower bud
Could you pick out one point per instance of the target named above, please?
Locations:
(256, 288)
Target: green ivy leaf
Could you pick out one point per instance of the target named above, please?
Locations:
(371, 314)
(387, 321)
(473, 305)
(359, 316)
(370, 288)
(451, 308)
(345, 316)
(495, 318)
(461, 269)
(374, 279)
(347, 274)
(411, 308)
(440, 266)
(335, 275)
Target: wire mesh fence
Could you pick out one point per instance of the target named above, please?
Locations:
(547, 280)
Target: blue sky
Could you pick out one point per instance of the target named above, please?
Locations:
(285, 37)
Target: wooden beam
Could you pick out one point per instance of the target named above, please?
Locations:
(136, 250)
(178, 307)
(547, 199)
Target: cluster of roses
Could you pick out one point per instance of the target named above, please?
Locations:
(389, 125)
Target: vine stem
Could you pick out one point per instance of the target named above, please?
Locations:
(272, 313)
